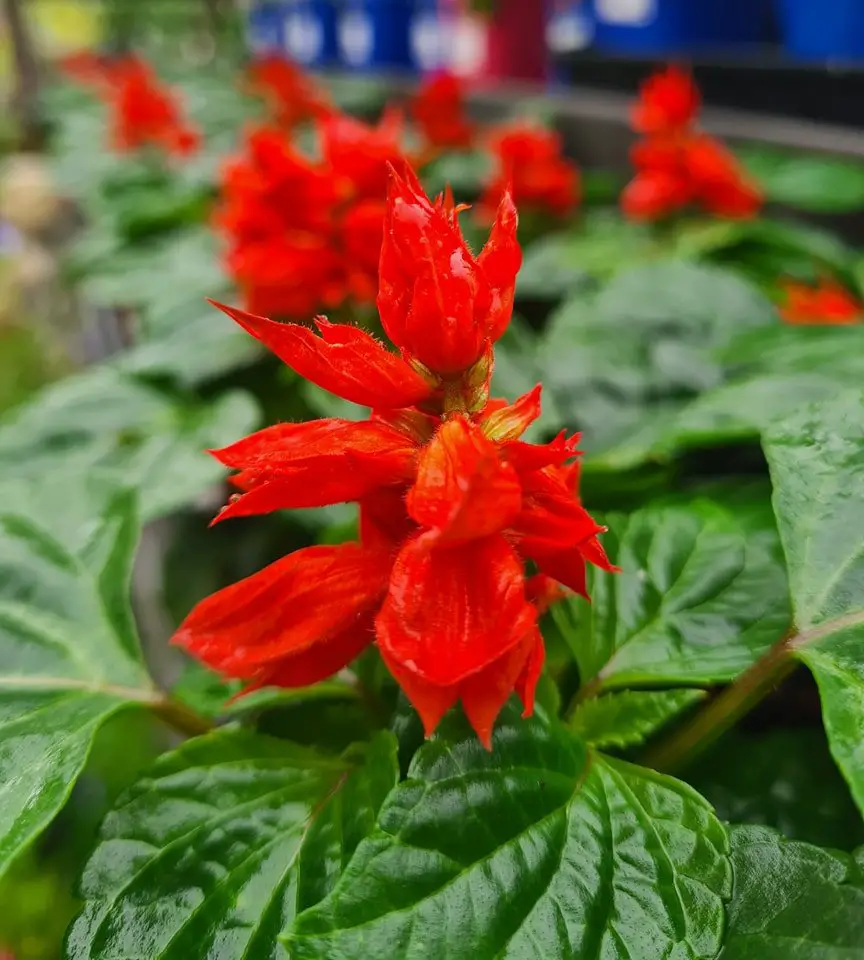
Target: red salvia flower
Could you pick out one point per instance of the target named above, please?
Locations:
(669, 103)
(291, 94)
(827, 304)
(302, 233)
(530, 163)
(145, 113)
(454, 505)
(677, 165)
(439, 111)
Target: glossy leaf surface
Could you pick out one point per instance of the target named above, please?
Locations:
(68, 658)
(793, 901)
(698, 599)
(214, 852)
(816, 466)
(541, 848)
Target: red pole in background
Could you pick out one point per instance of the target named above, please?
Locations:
(517, 41)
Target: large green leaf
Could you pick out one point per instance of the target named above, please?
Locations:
(782, 778)
(69, 657)
(793, 901)
(820, 184)
(629, 717)
(102, 420)
(644, 345)
(815, 459)
(598, 246)
(539, 848)
(699, 597)
(214, 852)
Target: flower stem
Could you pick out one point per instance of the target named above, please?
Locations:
(725, 710)
(182, 718)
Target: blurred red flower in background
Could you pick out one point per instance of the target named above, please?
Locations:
(439, 111)
(676, 164)
(144, 113)
(453, 503)
(826, 304)
(529, 161)
(306, 233)
(291, 94)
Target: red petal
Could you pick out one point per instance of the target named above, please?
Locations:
(508, 424)
(668, 101)
(295, 604)
(346, 361)
(318, 662)
(526, 684)
(384, 520)
(500, 260)
(284, 444)
(463, 491)
(451, 612)
(428, 699)
(552, 519)
(528, 457)
(566, 567)
(543, 591)
(484, 694)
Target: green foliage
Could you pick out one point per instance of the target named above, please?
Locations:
(316, 822)
(223, 843)
(698, 599)
(793, 900)
(69, 659)
(815, 459)
(526, 835)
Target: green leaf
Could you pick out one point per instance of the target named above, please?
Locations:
(69, 658)
(818, 184)
(540, 848)
(465, 171)
(644, 344)
(698, 599)
(815, 461)
(103, 421)
(229, 836)
(598, 246)
(785, 779)
(793, 901)
(630, 717)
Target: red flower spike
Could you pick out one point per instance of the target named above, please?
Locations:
(669, 101)
(509, 423)
(345, 360)
(309, 599)
(452, 504)
(144, 112)
(451, 612)
(676, 165)
(463, 491)
(439, 111)
(827, 304)
(292, 94)
(532, 168)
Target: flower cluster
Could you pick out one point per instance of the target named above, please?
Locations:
(438, 110)
(304, 233)
(454, 505)
(677, 165)
(292, 95)
(530, 163)
(144, 113)
(827, 304)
